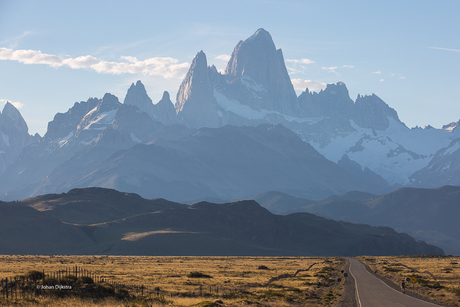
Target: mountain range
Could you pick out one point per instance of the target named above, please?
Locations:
(233, 135)
(365, 138)
(103, 221)
(430, 215)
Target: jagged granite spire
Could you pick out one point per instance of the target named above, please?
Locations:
(164, 110)
(195, 101)
(197, 72)
(259, 65)
(373, 112)
(247, 53)
(108, 103)
(12, 117)
(333, 102)
(137, 96)
(14, 135)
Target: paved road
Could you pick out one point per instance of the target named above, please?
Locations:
(372, 292)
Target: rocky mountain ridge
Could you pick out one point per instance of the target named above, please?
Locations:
(364, 137)
(255, 88)
(14, 135)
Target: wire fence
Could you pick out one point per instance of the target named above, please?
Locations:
(77, 279)
(82, 281)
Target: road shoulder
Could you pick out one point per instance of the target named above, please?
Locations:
(393, 286)
(348, 296)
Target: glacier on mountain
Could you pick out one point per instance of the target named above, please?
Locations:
(394, 153)
(101, 121)
(365, 136)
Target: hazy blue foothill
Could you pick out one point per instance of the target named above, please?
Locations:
(237, 134)
(430, 215)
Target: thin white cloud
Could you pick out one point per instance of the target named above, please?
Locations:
(301, 85)
(378, 72)
(330, 68)
(446, 49)
(161, 66)
(223, 57)
(17, 105)
(398, 76)
(301, 61)
(333, 69)
(382, 80)
(294, 70)
(13, 42)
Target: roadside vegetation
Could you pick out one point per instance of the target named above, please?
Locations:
(435, 277)
(188, 281)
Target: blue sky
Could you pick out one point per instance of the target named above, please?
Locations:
(55, 53)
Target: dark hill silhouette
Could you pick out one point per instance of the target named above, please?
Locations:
(95, 205)
(136, 226)
(28, 231)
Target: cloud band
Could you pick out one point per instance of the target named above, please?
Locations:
(161, 66)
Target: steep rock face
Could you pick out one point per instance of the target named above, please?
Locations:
(164, 110)
(451, 126)
(64, 124)
(373, 112)
(330, 112)
(333, 102)
(14, 135)
(256, 65)
(195, 102)
(137, 96)
(13, 119)
(255, 88)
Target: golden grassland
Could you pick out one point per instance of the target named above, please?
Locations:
(231, 281)
(437, 277)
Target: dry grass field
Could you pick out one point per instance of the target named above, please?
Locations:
(191, 281)
(437, 277)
